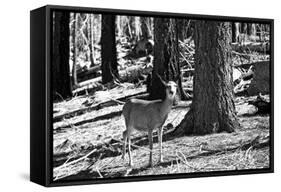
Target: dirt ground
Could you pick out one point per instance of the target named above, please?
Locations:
(88, 144)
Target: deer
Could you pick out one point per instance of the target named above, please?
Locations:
(146, 116)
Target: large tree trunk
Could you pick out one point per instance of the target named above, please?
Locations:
(166, 58)
(108, 49)
(60, 64)
(213, 108)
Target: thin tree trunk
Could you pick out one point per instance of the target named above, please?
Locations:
(138, 30)
(213, 108)
(253, 29)
(75, 50)
(118, 26)
(233, 32)
(249, 28)
(236, 31)
(244, 27)
(91, 39)
(144, 25)
(129, 30)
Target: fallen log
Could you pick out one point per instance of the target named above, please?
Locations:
(248, 65)
(133, 74)
(90, 73)
(73, 162)
(107, 103)
(263, 47)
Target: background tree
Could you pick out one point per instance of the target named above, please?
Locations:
(60, 64)
(108, 49)
(213, 108)
(244, 27)
(166, 58)
(137, 28)
(90, 35)
(145, 27)
(75, 48)
(249, 29)
(234, 31)
(185, 28)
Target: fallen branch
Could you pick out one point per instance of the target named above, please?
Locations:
(256, 143)
(75, 161)
(109, 102)
(90, 120)
(189, 64)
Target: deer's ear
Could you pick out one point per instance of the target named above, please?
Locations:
(160, 78)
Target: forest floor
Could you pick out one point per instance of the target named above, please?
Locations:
(87, 143)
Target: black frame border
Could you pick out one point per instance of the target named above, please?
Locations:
(45, 157)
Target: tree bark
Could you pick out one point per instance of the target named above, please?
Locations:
(60, 61)
(108, 49)
(213, 108)
(166, 58)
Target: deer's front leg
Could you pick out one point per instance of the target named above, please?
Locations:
(129, 150)
(150, 146)
(160, 132)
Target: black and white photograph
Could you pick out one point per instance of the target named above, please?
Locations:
(137, 95)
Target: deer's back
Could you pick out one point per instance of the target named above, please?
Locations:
(142, 114)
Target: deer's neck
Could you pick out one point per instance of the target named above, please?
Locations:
(166, 106)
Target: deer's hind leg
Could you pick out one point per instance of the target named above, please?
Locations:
(150, 139)
(129, 147)
(124, 143)
(127, 138)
